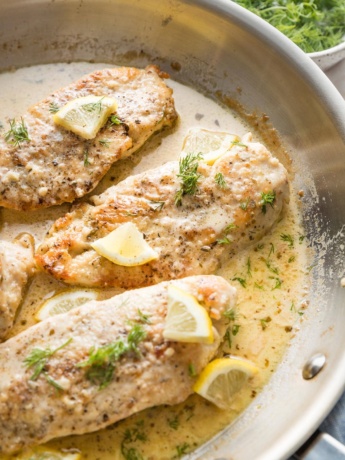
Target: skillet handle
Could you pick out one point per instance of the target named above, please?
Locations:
(321, 446)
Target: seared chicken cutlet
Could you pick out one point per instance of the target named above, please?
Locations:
(191, 233)
(49, 165)
(68, 395)
(16, 266)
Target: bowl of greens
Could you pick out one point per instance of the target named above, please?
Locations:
(316, 26)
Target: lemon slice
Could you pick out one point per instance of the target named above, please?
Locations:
(65, 301)
(186, 320)
(42, 453)
(222, 378)
(85, 115)
(125, 246)
(211, 144)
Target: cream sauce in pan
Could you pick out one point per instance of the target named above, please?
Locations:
(271, 277)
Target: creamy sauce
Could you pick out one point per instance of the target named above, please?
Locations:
(271, 278)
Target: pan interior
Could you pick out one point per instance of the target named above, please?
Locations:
(231, 56)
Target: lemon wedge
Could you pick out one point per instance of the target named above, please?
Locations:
(222, 378)
(211, 144)
(43, 453)
(85, 115)
(65, 301)
(186, 320)
(125, 246)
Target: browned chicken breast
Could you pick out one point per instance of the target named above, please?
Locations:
(67, 392)
(191, 233)
(49, 165)
(16, 266)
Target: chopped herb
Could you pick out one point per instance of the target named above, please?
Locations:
(229, 227)
(301, 239)
(93, 106)
(314, 25)
(235, 329)
(267, 198)
(86, 157)
(144, 318)
(288, 239)
(293, 309)
(102, 361)
(182, 449)
(291, 259)
(230, 314)
(239, 144)
(224, 240)
(17, 133)
(244, 204)
(260, 246)
(53, 107)
(264, 322)
(271, 250)
(38, 359)
(115, 120)
(232, 329)
(191, 370)
(188, 173)
(131, 436)
(258, 286)
(156, 205)
(220, 181)
(104, 142)
(174, 423)
(270, 267)
(130, 214)
(278, 283)
(242, 281)
(249, 267)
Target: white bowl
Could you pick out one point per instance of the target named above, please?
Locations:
(329, 57)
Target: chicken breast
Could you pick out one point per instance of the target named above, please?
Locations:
(16, 266)
(193, 236)
(65, 396)
(51, 165)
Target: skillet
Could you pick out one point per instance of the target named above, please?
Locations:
(226, 52)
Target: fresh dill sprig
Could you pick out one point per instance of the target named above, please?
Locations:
(174, 423)
(267, 198)
(115, 120)
(17, 133)
(182, 449)
(86, 157)
(224, 240)
(104, 142)
(93, 106)
(232, 329)
(53, 107)
(102, 361)
(220, 181)
(38, 359)
(313, 25)
(131, 436)
(188, 173)
(287, 238)
(242, 281)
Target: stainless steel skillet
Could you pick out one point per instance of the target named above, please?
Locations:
(221, 49)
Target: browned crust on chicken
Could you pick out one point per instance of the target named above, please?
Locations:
(190, 239)
(34, 411)
(16, 266)
(56, 165)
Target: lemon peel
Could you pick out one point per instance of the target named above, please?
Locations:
(65, 301)
(85, 116)
(125, 246)
(211, 144)
(222, 378)
(186, 320)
